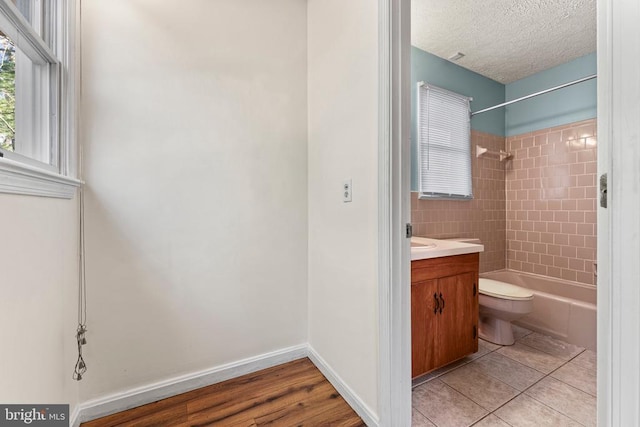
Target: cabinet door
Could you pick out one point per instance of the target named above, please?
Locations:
(423, 326)
(457, 326)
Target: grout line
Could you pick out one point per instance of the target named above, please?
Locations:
(524, 392)
(432, 375)
(570, 385)
(491, 376)
(430, 420)
(555, 339)
(519, 393)
(420, 412)
(531, 367)
(531, 397)
(564, 362)
(545, 375)
(504, 421)
(519, 363)
(567, 362)
(428, 378)
(554, 409)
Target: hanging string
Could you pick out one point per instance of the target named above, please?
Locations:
(80, 367)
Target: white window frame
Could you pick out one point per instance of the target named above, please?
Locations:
(57, 178)
(433, 176)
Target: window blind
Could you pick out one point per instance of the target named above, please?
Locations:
(444, 146)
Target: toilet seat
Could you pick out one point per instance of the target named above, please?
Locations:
(502, 290)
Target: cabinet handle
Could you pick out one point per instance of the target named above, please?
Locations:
(435, 310)
(441, 303)
(474, 289)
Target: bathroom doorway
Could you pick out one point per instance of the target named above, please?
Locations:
(609, 117)
(618, 226)
(534, 206)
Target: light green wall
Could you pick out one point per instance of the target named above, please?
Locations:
(560, 107)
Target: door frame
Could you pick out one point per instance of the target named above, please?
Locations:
(394, 167)
(618, 226)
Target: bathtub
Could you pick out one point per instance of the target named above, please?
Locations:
(562, 309)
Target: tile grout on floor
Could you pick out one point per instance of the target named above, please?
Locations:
(520, 392)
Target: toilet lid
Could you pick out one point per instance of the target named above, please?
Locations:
(495, 288)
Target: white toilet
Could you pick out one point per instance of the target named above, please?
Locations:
(500, 304)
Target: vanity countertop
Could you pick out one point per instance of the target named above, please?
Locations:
(424, 248)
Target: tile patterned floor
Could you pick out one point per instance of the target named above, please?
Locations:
(538, 381)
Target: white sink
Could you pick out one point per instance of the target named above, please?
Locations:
(423, 245)
(424, 248)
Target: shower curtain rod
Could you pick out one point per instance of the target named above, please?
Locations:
(504, 104)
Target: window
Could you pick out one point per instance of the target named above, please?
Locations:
(36, 97)
(444, 145)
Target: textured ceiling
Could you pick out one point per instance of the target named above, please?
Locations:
(505, 40)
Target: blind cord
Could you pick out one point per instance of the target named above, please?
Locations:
(80, 367)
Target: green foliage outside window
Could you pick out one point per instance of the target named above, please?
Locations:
(7, 93)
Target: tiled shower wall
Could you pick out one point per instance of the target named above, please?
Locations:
(545, 222)
(484, 217)
(551, 202)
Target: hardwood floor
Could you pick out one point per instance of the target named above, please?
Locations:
(293, 394)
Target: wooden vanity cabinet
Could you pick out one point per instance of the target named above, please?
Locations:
(444, 311)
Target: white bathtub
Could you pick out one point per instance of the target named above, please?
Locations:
(562, 309)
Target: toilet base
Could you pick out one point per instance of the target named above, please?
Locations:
(496, 330)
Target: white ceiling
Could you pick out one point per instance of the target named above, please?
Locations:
(505, 40)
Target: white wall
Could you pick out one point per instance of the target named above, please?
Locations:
(343, 132)
(38, 288)
(195, 128)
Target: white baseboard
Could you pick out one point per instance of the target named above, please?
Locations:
(161, 390)
(74, 417)
(153, 392)
(370, 419)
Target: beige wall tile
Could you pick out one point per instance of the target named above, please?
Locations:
(484, 217)
(560, 170)
(541, 205)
